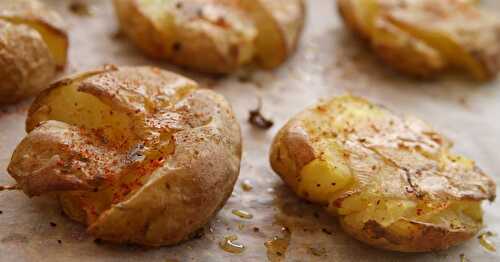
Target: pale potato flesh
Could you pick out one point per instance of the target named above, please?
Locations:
(392, 181)
(425, 37)
(131, 153)
(279, 24)
(33, 46)
(215, 36)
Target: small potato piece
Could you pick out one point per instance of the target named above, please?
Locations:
(214, 36)
(391, 180)
(424, 37)
(33, 46)
(138, 154)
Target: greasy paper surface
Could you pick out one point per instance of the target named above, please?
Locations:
(328, 62)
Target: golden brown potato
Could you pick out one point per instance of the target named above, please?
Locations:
(425, 37)
(139, 155)
(214, 36)
(33, 46)
(391, 180)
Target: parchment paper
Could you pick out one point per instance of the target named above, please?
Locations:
(328, 62)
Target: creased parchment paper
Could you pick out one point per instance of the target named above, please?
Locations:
(328, 62)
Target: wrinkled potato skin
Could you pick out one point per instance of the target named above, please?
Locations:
(389, 158)
(27, 64)
(458, 35)
(194, 37)
(182, 186)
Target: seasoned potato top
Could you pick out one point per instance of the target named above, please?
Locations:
(389, 155)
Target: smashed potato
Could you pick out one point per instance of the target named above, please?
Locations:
(138, 154)
(425, 37)
(33, 46)
(391, 180)
(214, 36)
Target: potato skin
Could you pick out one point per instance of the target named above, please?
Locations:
(36, 171)
(215, 36)
(178, 179)
(27, 59)
(26, 66)
(422, 237)
(424, 38)
(398, 162)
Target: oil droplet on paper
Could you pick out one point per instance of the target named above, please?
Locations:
(276, 247)
(246, 185)
(242, 214)
(229, 245)
(485, 242)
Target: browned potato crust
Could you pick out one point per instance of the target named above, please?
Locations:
(138, 154)
(392, 181)
(33, 46)
(423, 38)
(214, 36)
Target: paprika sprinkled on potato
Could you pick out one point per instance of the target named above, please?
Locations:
(138, 154)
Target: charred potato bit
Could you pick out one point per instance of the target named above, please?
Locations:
(214, 36)
(139, 155)
(425, 37)
(391, 180)
(33, 46)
